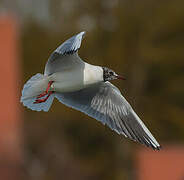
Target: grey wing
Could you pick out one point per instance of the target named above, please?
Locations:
(105, 103)
(71, 45)
(65, 55)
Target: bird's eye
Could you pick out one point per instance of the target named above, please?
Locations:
(111, 73)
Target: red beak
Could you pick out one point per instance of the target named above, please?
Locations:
(120, 77)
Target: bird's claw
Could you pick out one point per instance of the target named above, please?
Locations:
(47, 92)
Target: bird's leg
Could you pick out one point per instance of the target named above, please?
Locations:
(47, 92)
(44, 99)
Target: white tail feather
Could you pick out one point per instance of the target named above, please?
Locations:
(32, 88)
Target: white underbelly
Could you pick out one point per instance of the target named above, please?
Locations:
(75, 79)
(67, 81)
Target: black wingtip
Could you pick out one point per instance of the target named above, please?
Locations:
(158, 148)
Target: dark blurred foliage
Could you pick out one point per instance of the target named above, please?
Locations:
(142, 40)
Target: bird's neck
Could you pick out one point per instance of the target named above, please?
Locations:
(92, 74)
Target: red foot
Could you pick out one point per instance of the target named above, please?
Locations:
(40, 101)
(47, 92)
(44, 99)
(41, 95)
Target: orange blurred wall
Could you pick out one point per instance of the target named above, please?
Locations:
(166, 164)
(10, 117)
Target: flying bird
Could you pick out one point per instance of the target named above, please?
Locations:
(86, 88)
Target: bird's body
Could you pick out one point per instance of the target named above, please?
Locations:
(86, 88)
(73, 79)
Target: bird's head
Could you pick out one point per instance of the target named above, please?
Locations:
(109, 74)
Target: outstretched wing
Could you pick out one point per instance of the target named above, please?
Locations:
(105, 103)
(65, 55)
(71, 45)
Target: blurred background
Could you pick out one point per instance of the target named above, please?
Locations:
(142, 40)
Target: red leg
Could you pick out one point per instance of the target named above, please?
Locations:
(47, 90)
(49, 85)
(44, 99)
(41, 95)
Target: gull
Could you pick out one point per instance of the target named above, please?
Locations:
(86, 88)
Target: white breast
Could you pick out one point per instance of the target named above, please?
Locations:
(92, 74)
(76, 78)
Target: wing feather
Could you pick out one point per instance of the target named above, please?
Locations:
(65, 56)
(71, 45)
(105, 103)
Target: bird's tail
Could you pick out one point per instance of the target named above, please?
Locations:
(36, 85)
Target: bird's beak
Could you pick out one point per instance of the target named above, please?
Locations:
(120, 77)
